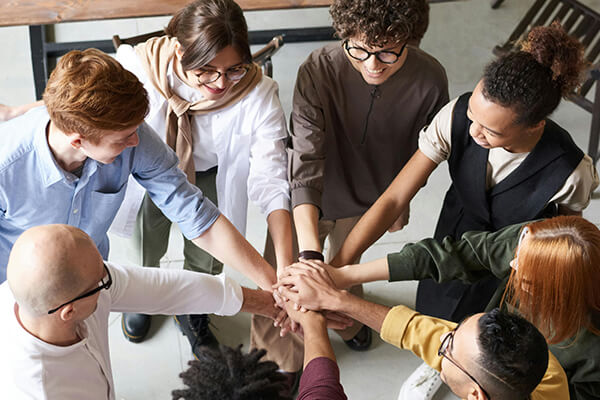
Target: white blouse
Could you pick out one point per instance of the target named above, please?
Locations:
(246, 140)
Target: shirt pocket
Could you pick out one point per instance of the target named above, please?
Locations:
(104, 207)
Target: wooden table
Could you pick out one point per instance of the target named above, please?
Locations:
(44, 12)
(41, 15)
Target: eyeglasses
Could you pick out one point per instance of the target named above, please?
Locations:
(233, 74)
(444, 351)
(360, 54)
(105, 283)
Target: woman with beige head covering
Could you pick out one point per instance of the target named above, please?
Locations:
(223, 118)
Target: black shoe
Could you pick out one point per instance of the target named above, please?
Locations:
(135, 327)
(292, 382)
(362, 340)
(195, 328)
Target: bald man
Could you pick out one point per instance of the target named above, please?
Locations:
(55, 305)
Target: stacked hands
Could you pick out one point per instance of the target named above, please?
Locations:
(307, 290)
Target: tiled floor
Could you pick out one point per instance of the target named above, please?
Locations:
(461, 35)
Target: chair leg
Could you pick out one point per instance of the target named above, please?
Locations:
(595, 128)
(496, 3)
(268, 67)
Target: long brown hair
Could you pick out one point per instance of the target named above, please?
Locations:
(556, 283)
(205, 27)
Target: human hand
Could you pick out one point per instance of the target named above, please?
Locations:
(308, 284)
(6, 112)
(401, 222)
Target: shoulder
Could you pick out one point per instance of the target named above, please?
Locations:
(425, 66)
(327, 60)
(266, 87)
(18, 135)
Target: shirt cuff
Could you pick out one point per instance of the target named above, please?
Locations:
(233, 296)
(397, 263)
(206, 217)
(395, 324)
(306, 195)
(279, 203)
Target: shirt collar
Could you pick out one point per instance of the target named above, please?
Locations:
(49, 170)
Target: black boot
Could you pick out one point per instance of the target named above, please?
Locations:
(135, 327)
(195, 328)
(361, 341)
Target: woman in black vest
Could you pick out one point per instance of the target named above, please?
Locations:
(508, 164)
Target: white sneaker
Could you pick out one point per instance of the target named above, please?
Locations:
(421, 384)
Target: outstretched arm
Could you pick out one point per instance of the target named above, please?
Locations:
(315, 290)
(349, 275)
(306, 219)
(386, 210)
(225, 243)
(10, 112)
(280, 228)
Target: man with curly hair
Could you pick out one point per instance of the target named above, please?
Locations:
(358, 107)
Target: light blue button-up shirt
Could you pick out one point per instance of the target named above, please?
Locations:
(34, 190)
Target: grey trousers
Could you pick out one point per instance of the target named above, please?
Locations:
(150, 239)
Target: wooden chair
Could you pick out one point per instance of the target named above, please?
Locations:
(262, 57)
(583, 23)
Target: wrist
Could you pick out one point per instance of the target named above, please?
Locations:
(314, 320)
(311, 255)
(338, 301)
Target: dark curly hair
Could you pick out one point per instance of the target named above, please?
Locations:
(513, 354)
(228, 374)
(379, 22)
(532, 81)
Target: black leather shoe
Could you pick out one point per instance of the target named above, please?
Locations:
(135, 327)
(292, 381)
(362, 340)
(195, 328)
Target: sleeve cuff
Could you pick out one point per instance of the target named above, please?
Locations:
(306, 195)
(397, 263)
(278, 203)
(207, 215)
(233, 297)
(395, 324)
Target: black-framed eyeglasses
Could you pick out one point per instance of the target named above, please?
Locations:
(233, 74)
(105, 283)
(360, 54)
(444, 351)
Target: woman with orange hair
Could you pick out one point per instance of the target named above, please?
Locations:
(549, 272)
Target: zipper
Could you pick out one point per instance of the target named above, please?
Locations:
(374, 95)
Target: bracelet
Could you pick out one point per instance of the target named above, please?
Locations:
(311, 255)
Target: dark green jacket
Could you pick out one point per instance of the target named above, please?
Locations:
(478, 254)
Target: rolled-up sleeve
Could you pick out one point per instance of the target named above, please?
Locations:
(155, 168)
(306, 153)
(268, 186)
(436, 138)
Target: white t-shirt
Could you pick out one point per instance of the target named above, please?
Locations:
(435, 142)
(33, 369)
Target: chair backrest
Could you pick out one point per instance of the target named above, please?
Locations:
(578, 20)
(262, 57)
